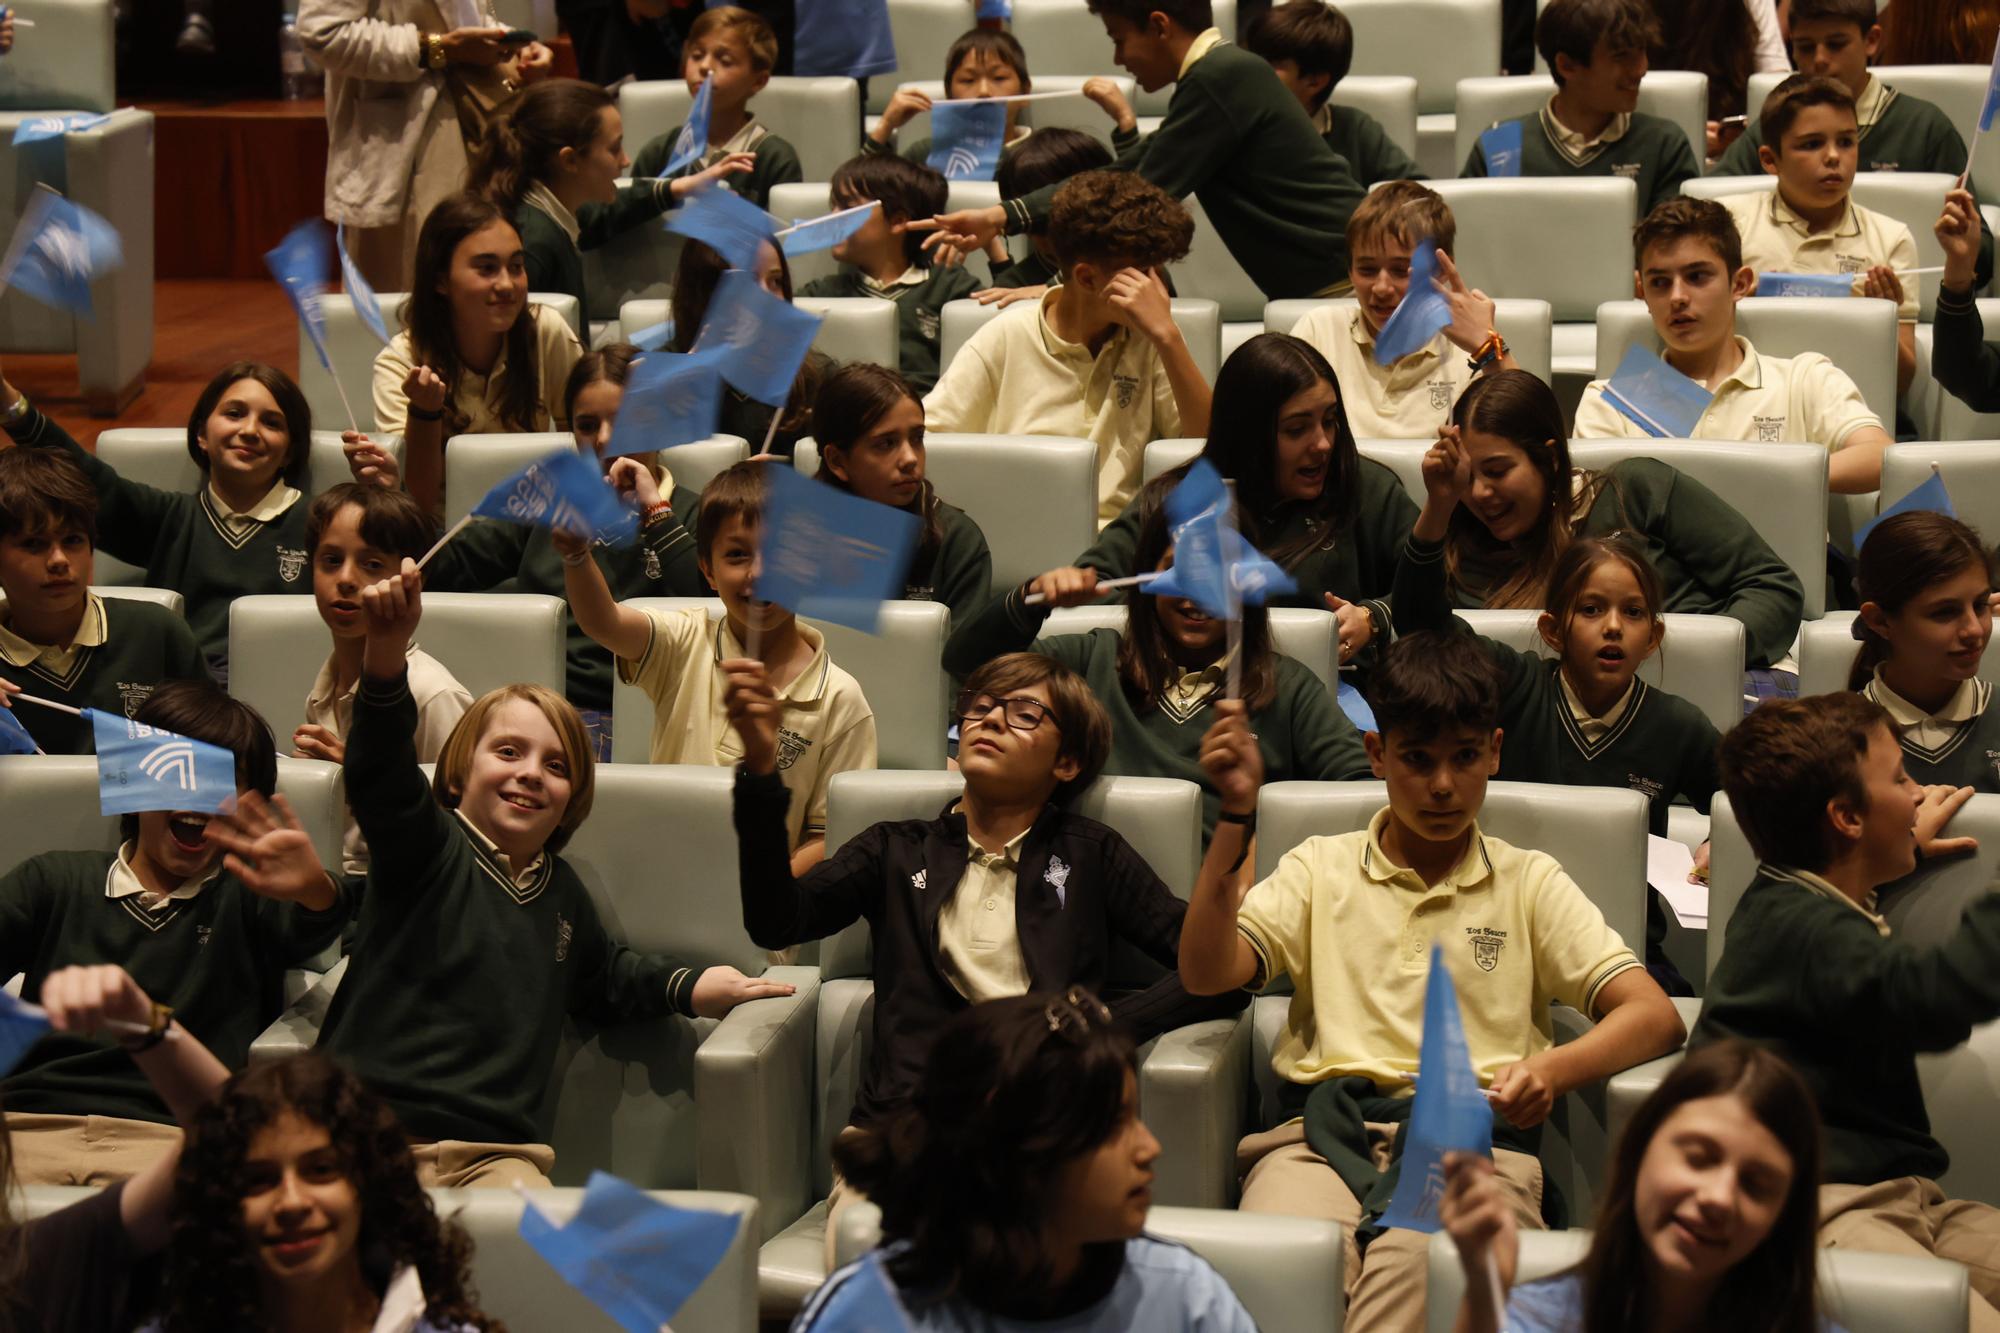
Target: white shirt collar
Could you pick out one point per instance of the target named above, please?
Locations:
(122, 881)
(1590, 724)
(542, 197)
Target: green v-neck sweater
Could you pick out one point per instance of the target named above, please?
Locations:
(144, 644)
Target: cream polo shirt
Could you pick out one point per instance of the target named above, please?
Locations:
(978, 945)
(441, 702)
(826, 727)
(240, 523)
(54, 659)
(1354, 933)
(478, 398)
(1405, 400)
(1932, 731)
(1594, 729)
(1868, 107)
(123, 882)
(1015, 376)
(1766, 400)
(1777, 240)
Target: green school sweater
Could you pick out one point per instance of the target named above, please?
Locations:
(459, 979)
(1961, 358)
(660, 564)
(179, 540)
(1814, 980)
(919, 313)
(777, 164)
(1360, 141)
(1236, 140)
(144, 644)
(1710, 560)
(555, 264)
(1303, 734)
(1653, 154)
(1969, 758)
(959, 572)
(1033, 271)
(218, 959)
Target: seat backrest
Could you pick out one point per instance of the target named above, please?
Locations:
(898, 670)
(1200, 323)
(1527, 325)
(1597, 833)
(1063, 37)
(1788, 480)
(1701, 658)
(1405, 458)
(1070, 113)
(1035, 497)
(65, 63)
(1971, 472)
(1390, 98)
(921, 31)
(813, 197)
(853, 328)
(1956, 90)
(1166, 455)
(1401, 37)
(166, 597)
(158, 457)
(475, 464)
(1310, 637)
(1671, 94)
(817, 116)
(1212, 273)
(1564, 240)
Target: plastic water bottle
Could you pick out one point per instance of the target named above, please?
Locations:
(299, 79)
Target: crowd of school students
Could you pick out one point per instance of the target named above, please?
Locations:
(997, 1122)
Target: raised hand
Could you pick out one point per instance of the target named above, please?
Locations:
(1476, 1216)
(905, 104)
(371, 464)
(1143, 306)
(390, 611)
(1105, 93)
(1472, 311)
(1447, 469)
(271, 853)
(1957, 231)
(424, 389)
(1231, 759)
(1068, 586)
(628, 476)
(753, 708)
(735, 164)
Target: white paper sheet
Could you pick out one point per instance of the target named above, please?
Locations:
(1667, 866)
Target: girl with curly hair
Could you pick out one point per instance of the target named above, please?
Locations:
(297, 1205)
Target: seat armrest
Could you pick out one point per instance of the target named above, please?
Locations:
(1194, 1090)
(1627, 1088)
(297, 1029)
(753, 1079)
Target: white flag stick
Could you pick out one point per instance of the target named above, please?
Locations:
(783, 232)
(49, 703)
(1103, 585)
(1017, 97)
(109, 1024)
(772, 433)
(449, 533)
(1497, 1293)
(353, 423)
(1232, 677)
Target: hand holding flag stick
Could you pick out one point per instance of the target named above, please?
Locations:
(1062, 598)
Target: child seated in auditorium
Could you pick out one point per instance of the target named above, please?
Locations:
(1962, 361)
(1808, 223)
(733, 50)
(695, 277)
(1810, 970)
(475, 939)
(1411, 397)
(676, 657)
(1049, 157)
(1596, 51)
(1100, 357)
(1310, 45)
(1341, 917)
(985, 62)
(206, 913)
(1688, 266)
(359, 535)
(1707, 1220)
(879, 261)
(1028, 894)
(59, 640)
(1027, 1131)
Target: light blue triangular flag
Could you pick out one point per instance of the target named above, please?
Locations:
(37, 128)
(810, 235)
(564, 493)
(21, 1026)
(58, 250)
(1991, 106)
(1213, 566)
(765, 337)
(966, 139)
(693, 139)
(831, 555)
(1451, 1113)
(636, 1258)
(303, 265)
(670, 398)
(148, 768)
(653, 337)
(1424, 310)
(14, 738)
(863, 1300)
(358, 290)
(1805, 284)
(1654, 396)
(1501, 147)
(1927, 496)
(733, 226)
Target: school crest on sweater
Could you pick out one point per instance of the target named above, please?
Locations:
(291, 563)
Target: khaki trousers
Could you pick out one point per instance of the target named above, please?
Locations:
(1385, 1288)
(86, 1149)
(1911, 1215)
(456, 1164)
(387, 255)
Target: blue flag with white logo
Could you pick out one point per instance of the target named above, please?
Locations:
(634, 1257)
(1501, 147)
(1213, 566)
(693, 139)
(1655, 397)
(810, 235)
(145, 768)
(1991, 107)
(303, 265)
(358, 290)
(21, 1026)
(1805, 284)
(37, 128)
(564, 492)
(831, 555)
(14, 738)
(966, 139)
(653, 337)
(1424, 311)
(728, 223)
(670, 398)
(1451, 1113)
(58, 250)
(764, 337)
(1928, 496)
(862, 1300)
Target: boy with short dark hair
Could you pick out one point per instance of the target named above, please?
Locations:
(1688, 267)
(1098, 358)
(1310, 45)
(735, 50)
(878, 261)
(1352, 919)
(1597, 52)
(1046, 157)
(1809, 968)
(207, 935)
(59, 640)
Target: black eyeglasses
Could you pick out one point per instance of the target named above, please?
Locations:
(1075, 1012)
(1023, 714)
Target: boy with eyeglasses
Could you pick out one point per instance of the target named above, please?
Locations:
(1006, 891)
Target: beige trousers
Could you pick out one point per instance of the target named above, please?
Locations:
(1910, 1215)
(386, 255)
(86, 1149)
(457, 1164)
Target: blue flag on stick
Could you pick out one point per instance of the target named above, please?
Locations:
(1928, 496)
(1501, 147)
(1002, 10)
(1805, 284)
(731, 224)
(823, 233)
(637, 1259)
(21, 1026)
(1654, 396)
(764, 338)
(564, 493)
(1451, 1113)
(670, 398)
(653, 337)
(145, 768)
(966, 140)
(692, 141)
(38, 128)
(358, 290)
(1423, 312)
(303, 265)
(862, 1301)
(1991, 107)
(14, 738)
(832, 555)
(1213, 566)
(58, 250)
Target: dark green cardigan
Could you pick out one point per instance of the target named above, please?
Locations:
(555, 264)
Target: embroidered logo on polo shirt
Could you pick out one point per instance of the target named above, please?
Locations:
(1057, 876)
(565, 932)
(790, 746)
(927, 323)
(1770, 430)
(1125, 389)
(1646, 787)
(133, 693)
(1440, 394)
(290, 563)
(652, 563)
(1486, 944)
(1853, 263)
(918, 880)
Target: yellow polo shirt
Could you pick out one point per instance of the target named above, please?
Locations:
(1405, 400)
(978, 945)
(826, 728)
(1017, 377)
(1354, 933)
(479, 397)
(1803, 399)
(1777, 240)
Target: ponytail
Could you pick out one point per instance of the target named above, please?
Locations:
(520, 147)
(1903, 556)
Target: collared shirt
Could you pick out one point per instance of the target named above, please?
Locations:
(909, 277)
(478, 399)
(53, 658)
(1207, 41)
(1017, 376)
(978, 944)
(1932, 731)
(1806, 879)
(1354, 932)
(1405, 400)
(542, 197)
(1591, 727)
(1766, 400)
(522, 878)
(122, 881)
(744, 140)
(1874, 100)
(1580, 148)
(1191, 690)
(240, 523)
(826, 726)
(1777, 240)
